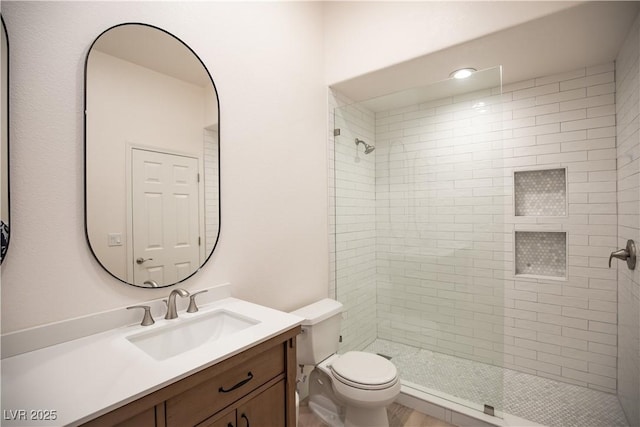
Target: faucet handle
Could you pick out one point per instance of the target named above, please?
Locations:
(193, 308)
(147, 319)
(627, 254)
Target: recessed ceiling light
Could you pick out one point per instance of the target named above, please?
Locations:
(462, 73)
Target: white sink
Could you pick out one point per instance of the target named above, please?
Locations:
(186, 334)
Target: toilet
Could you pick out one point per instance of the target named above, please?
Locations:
(351, 389)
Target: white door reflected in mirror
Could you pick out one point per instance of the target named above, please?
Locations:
(166, 229)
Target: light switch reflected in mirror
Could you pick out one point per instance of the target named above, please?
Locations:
(152, 206)
(4, 154)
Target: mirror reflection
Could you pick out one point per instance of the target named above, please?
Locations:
(4, 154)
(152, 208)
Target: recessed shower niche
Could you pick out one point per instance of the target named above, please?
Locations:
(540, 192)
(541, 254)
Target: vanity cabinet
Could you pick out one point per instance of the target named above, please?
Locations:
(266, 409)
(253, 388)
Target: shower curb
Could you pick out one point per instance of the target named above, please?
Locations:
(456, 413)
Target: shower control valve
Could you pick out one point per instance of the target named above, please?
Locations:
(627, 254)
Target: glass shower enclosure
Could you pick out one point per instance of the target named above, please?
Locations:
(421, 247)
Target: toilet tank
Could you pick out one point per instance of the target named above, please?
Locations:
(320, 331)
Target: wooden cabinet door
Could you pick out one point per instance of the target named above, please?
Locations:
(266, 409)
(126, 417)
(143, 419)
(225, 420)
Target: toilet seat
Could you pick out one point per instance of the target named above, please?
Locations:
(365, 371)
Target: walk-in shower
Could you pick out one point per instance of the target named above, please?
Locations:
(445, 261)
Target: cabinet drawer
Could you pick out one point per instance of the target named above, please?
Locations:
(210, 396)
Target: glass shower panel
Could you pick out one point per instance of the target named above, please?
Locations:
(355, 225)
(422, 251)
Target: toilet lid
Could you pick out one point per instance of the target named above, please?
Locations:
(364, 370)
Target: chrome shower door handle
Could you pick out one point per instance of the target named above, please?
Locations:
(627, 254)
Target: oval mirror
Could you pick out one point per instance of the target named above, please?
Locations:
(4, 144)
(152, 205)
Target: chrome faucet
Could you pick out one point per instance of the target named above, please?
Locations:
(172, 313)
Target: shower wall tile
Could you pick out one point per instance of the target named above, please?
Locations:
(212, 189)
(333, 101)
(353, 209)
(445, 220)
(628, 192)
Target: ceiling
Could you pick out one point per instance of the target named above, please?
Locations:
(590, 33)
(481, 80)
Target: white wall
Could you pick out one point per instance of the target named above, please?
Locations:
(628, 157)
(265, 60)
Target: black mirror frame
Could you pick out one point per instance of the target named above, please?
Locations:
(6, 240)
(86, 231)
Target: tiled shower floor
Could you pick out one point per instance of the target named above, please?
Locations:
(541, 400)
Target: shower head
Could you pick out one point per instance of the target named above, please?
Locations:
(367, 148)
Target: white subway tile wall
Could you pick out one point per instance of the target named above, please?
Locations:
(212, 189)
(355, 222)
(441, 194)
(441, 231)
(333, 100)
(628, 156)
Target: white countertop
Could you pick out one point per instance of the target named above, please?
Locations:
(87, 377)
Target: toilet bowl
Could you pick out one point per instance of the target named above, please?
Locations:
(351, 389)
(365, 384)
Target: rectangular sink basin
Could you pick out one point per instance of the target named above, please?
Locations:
(186, 334)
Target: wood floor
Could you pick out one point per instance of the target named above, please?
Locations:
(399, 416)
